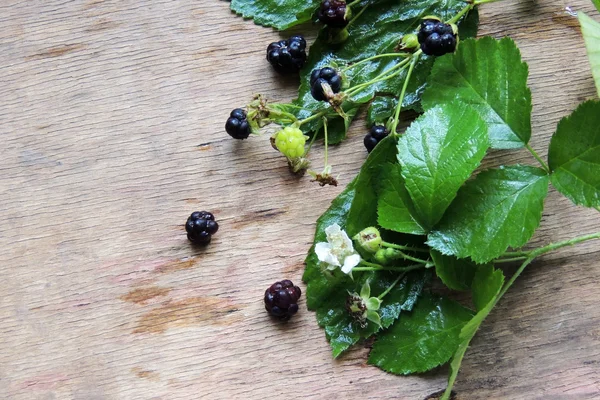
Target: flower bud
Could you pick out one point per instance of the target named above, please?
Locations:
(409, 42)
(369, 239)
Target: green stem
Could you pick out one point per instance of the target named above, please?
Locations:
(403, 93)
(374, 58)
(369, 266)
(462, 12)
(355, 17)
(532, 255)
(506, 260)
(355, 2)
(407, 248)
(325, 130)
(312, 140)
(283, 113)
(515, 254)
(382, 295)
(537, 157)
(379, 78)
(312, 117)
(411, 258)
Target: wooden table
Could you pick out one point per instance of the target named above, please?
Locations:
(111, 119)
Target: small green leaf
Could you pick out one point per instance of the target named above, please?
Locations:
(591, 34)
(438, 153)
(394, 207)
(574, 155)
(363, 212)
(373, 303)
(500, 208)
(382, 108)
(488, 75)
(276, 13)
(487, 284)
(365, 291)
(374, 317)
(456, 274)
(423, 339)
(596, 4)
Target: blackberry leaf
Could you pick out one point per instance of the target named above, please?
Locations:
(422, 339)
(438, 153)
(490, 77)
(498, 209)
(574, 155)
(276, 13)
(591, 34)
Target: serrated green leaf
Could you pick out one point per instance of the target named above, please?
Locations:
(591, 34)
(500, 208)
(489, 76)
(363, 212)
(574, 155)
(438, 153)
(279, 14)
(394, 206)
(487, 284)
(423, 339)
(377, 30)
(456, 274)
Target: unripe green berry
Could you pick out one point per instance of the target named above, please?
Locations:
(290, 142)
(369, 239)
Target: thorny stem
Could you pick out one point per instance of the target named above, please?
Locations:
(415, 57)
(537, 157)
(382, 295)
(407, 248)
(506, 260)
(411, 258)
(373, 58)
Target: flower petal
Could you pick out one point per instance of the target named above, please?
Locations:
(350, 262)
(323, 252)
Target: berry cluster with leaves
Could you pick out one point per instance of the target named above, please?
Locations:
(420, 208)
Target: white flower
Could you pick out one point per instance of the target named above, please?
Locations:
(338, 251)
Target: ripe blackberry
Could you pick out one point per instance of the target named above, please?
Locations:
(200, 226)
(333, 13)
(281, 299)
(322, 76)
(375, 135)
(436, 38)
(287, 56)
(237, 125)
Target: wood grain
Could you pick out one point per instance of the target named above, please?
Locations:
(112, 118)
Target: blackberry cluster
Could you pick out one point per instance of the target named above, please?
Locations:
(287, 56)
(333, 13)
(200, 227)
(324, 75)
(237, 125)
(375, 135)
(436, 38)
(281, 299)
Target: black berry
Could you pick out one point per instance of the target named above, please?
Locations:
(237, 125)
(436, 38)
(281, 299)
(322, 76)
(200, 226)
(375, 135)
(287, 56)
(333, 13)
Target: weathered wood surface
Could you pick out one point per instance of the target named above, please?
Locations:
(111, 119)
